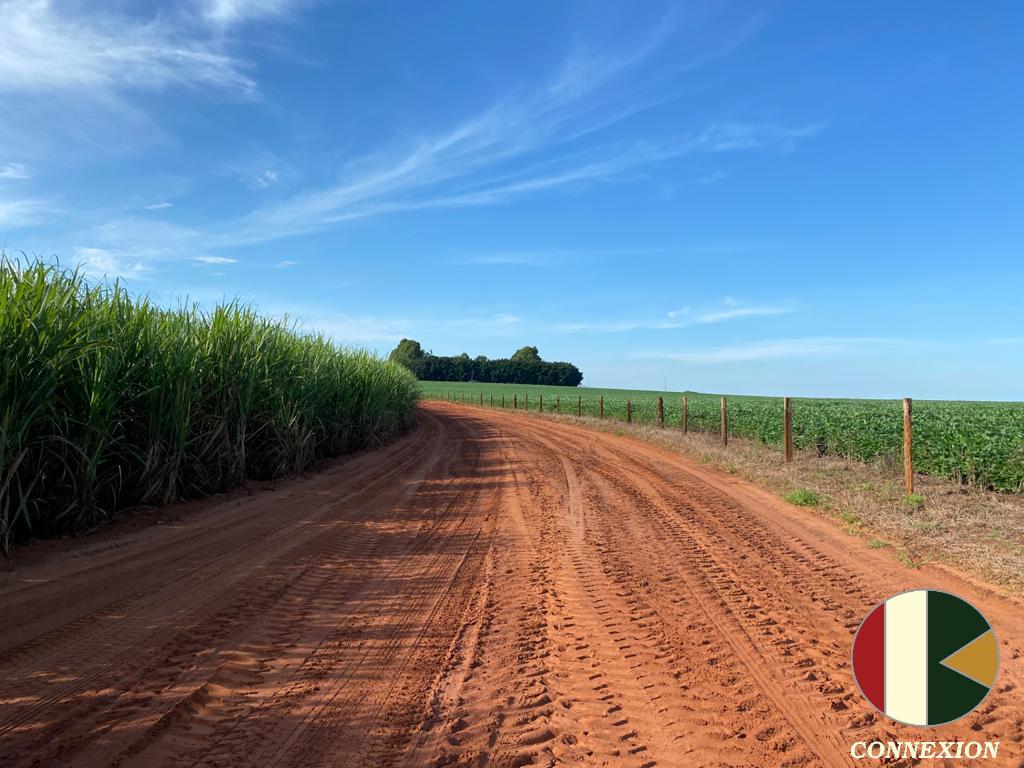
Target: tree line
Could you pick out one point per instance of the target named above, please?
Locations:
(524, 367)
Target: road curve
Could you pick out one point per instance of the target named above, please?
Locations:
(491, 589)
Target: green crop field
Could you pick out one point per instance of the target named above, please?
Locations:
(108, 401)
(972, 442)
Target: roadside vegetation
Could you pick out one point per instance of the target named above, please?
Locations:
(975, 529)
(108, 401)
(973, 443)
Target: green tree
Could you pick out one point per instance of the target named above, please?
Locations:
(408, 353)
(527, 355)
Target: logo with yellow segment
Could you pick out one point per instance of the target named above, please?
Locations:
(925, 657)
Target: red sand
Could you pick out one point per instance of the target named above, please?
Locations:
(488, 590)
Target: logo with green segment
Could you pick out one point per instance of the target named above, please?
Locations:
(925, 657)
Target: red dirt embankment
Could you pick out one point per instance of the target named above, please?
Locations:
(488, 590)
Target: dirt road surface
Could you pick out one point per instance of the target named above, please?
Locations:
(489, 590)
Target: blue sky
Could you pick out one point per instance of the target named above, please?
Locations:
(783, 198)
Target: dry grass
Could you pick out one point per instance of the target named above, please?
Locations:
(980, 532)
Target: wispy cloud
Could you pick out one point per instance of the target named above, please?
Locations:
(683, 317)
(51, 48)
(736, 313)
(158, 206)
(23, 212)
(729, 137)
(437, 176)
(261, 179)
(14, 171)
(524, 144)
(553, 256)
(529, 258)
(285, 264)
(619, 326)
(215, 260)
(225, 12)
(104, 264)
(347, 328)
(771, 349)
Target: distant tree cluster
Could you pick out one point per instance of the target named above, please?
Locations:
(524, 367)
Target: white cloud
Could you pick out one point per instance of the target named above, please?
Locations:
(226, 12)
(347, 329)
(771, 349)
(729, 137)
(619, 326)
(158, 206)
(285, 264)
(216, 260)
(24, 212)
(504, 257)
(678, 318)
(495, 156)
(459, 169)
(736, 313)
(261, 179)
(105, 264)
(51, 48)
(505, 317)
(14, 171)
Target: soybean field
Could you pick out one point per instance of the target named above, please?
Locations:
(974, 442)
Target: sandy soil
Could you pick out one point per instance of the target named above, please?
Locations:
(488, 590)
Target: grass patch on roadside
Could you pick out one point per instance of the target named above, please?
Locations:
(803, 497)
(913, 501)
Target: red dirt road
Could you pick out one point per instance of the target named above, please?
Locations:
(490, 590)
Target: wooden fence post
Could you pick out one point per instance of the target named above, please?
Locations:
(725, 425)
(600, 407)
(685, 418)
(558, 403)
(515, 402)
(787, 427)
(527, 406)
(541, 409)
(579, 406)
(661, 413)
(491, 400)
(629, 411)
(481, 399)
(908, 448)
(502, 399)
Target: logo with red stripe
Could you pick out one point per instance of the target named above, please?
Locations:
(925, 657)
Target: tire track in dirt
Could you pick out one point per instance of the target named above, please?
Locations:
(208, 599)
(490, 590)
